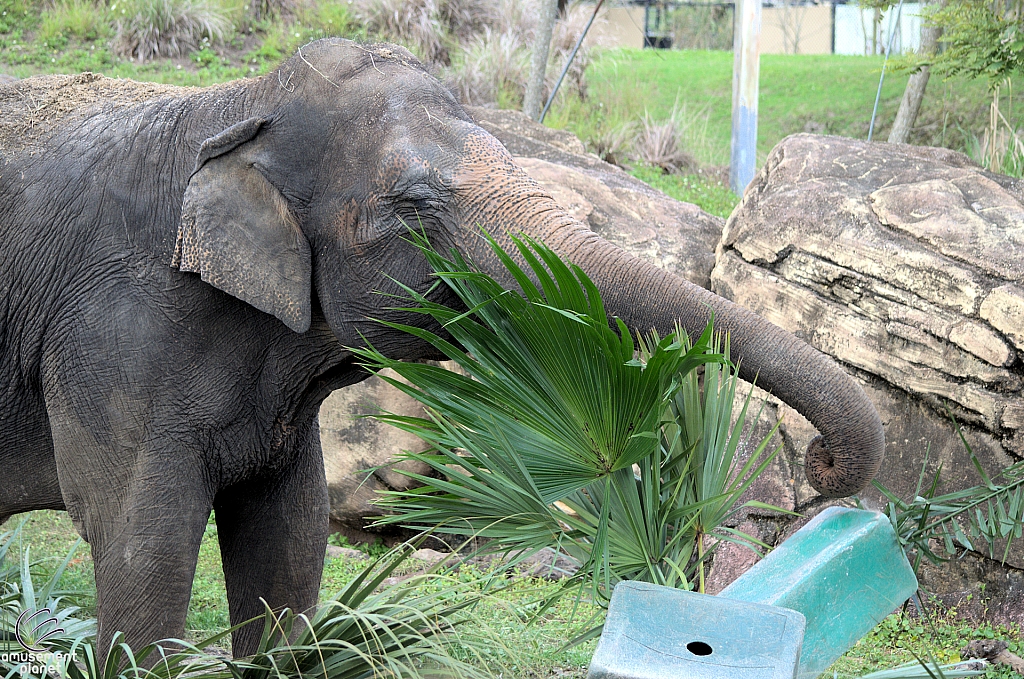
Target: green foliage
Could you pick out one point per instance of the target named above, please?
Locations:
(368, 629)
(539, 648)
(934, 635)
(40, 616)
(558, 437)
(74, 18)
(392, 631)
(17, 14)
(982, 38)
(981, 518)
(699, 448)
(923, 670)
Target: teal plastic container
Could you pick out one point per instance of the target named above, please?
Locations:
(844, 571)
(655, 632)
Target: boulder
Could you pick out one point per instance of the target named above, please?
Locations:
(906, 264)
(677, 236)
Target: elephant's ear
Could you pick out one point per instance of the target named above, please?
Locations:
(238, 232)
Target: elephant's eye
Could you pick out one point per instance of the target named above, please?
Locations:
(416, 213)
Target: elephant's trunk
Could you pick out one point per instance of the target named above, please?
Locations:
(502, 199)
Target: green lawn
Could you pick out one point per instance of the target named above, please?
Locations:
(528, 651)
(828, 94)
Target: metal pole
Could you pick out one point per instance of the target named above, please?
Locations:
(569, 62)
(745, 74)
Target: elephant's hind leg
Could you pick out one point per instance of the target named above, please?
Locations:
(273, 535)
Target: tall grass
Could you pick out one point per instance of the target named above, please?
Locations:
(168, 28)
(481, 48)
(431, 29)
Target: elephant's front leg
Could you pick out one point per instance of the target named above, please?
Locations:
(142, 502)
(273, 535)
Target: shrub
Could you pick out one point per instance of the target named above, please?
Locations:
(559, 437)
(152, 28)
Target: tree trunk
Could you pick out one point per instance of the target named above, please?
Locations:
(913, 95)
(539, 64)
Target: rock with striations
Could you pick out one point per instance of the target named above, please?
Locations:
(906, 264)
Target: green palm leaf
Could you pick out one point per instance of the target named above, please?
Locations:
(558, 435)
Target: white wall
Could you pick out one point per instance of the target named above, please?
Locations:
(855, 28)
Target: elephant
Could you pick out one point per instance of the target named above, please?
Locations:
(184, 270)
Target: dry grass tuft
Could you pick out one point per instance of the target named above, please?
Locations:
(492, 69)
(169, 28)
(613, 144)
(493, 64)
(431, 29)
(664, 143)
(415, 24)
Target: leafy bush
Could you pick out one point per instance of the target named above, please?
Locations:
(402, 630)
(982, 38)
(558, 436)
(169, 28)
(40, 616)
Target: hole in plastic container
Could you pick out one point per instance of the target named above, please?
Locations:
(699, 648)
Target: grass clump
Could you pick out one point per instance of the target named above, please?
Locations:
(167, 28)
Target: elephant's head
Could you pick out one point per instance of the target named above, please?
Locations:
(304, 206)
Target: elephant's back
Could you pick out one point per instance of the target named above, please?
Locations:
(32, 107)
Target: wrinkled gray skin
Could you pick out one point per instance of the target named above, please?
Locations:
(180, 276)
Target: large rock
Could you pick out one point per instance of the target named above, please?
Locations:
(677, 236)
(907, 265)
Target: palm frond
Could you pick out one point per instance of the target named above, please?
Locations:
(982, 518)
(565, 433)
